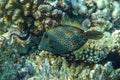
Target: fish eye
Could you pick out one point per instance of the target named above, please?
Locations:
(46, 36)
(52, 44)
(52, 47)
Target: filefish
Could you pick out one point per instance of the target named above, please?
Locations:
(66, 39)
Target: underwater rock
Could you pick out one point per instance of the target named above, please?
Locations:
(79, 5)
(100, 4)
(116, 11)
(86, 23)
(116, 38)
(101, 18)
(74, 70)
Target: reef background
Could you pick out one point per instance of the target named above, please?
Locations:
(20, 58)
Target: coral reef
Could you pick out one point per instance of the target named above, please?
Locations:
(94, 51)
(23, 22)
(80, 6)
(59, 68)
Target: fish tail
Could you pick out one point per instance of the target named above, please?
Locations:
(93, 35)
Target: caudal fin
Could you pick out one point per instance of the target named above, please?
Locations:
(93, 34)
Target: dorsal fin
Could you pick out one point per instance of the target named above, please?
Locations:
(71, 22)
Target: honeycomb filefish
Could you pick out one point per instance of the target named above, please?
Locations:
(65, 39)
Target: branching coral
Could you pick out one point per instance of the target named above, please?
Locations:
(58, 68)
